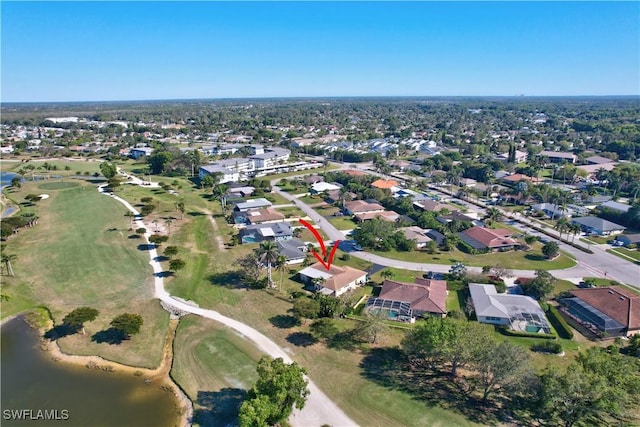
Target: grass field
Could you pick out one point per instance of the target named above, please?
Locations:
(343, 223)
(626, 254)
(214, 367)
(75, 166)
(79, 254)
(517, 260)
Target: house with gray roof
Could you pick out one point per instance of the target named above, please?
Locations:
(599, 226)
(615, 206)
(518, 312)
(260, 232)
(294, 250)
(259, 203)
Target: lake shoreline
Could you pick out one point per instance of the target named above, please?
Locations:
(159, 376)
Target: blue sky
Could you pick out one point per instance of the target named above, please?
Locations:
(85, 51)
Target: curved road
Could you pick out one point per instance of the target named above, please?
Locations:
(318, 410)
(599, 264)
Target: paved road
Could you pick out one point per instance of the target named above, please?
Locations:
(318, 410)
(599, 264)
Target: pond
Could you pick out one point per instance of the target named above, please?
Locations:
(76, 396)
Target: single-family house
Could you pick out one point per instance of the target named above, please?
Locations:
(294, 250)
(599, 226)
(552, 210)
(389, 216)
(418, 235)
(382, 184)
(406, 301)
(260, 232)
(312, 179)
(242, 191)
(335, 281)
(321, 187)
(431, 205)
(257, 216)
(518, 312)
(559, 157)
(260, 203)
(136, 153)
(515, 178)
(611, 311)
(629, 239)
(598, 160)
(468, 182)
(481, 238)
(615, 206)
(520, 156)
(360, 206)
(459, 216)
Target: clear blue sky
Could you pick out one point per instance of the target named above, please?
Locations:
(83, 51)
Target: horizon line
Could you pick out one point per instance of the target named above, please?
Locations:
(258, 98)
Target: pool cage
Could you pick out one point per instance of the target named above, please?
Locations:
(529, 322)
(401, 309)
(592, 318)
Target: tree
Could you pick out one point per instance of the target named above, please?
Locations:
(280, 387)
(541, 286)
(447, 342)
(599, 388)
(130, 215)
(176, 264)
(249, 268)
(140, 231)
(170, 251)
(128, 324)
(372, 326)
(268, 253)
(551, 250)
(158, 161)
(16, 181)
(386, 274)
(503, 366)
(109, 170)
(323, 328)
(329, 306)
(207, 181)
(158, 239)
(492, 216)
(78, 317)
(305, 308)
(180, 208)
(282, 267)
(6, 260)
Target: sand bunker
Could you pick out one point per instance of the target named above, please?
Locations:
(43, 196)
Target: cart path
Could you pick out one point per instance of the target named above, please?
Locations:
(318, 410)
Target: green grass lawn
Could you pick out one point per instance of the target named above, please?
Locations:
(327, 210)
(214, 367)
(75, 166)
(517, 260)
(79, 254)
(343, 223)
(311, 200)
(628, 253)
(292, 212)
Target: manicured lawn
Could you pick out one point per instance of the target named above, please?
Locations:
(276, 199)
(79, 254)
(606, 282)
(214, 367)
(343, 223)
(628, 253)
(517, 260)
(75, 167)
(327, 210)
(292, 212)
(311, 200)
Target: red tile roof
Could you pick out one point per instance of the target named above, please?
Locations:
(616, 302)
(384, 183)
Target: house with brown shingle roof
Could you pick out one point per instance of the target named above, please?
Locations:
(335, 281)
(360, 206)
(488, 239)
(404, 301)
(431, 206)
(517, 177)
(608, 311)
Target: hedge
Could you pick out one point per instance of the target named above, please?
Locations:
(506, 331)
(560, 325)
(547, 347)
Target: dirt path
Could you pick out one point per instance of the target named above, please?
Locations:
(318, 410)
(214, 224)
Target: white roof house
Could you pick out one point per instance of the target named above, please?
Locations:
(519, 312)
(320, 187)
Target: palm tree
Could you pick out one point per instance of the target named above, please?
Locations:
(562, 225)
(574, 229)
(6, 260)
(386, 274)
(493, 215)
(282, 267)
(131, 216)
(168, 221)
(268, 253)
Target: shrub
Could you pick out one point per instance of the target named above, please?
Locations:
(557, 321)
(552, 347)
(506, 331)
